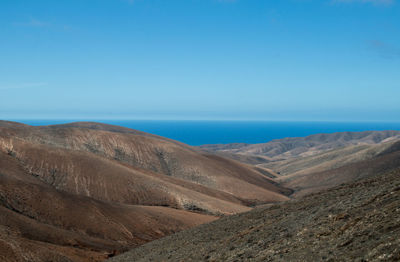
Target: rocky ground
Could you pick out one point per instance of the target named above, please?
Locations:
(292, 147)
(84, 192)
(352, 222)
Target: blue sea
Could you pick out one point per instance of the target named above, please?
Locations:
(223, 132)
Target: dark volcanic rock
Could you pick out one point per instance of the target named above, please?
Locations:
(352, 222)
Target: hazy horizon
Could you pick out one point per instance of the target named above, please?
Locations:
(326, 60)
(200, 132)
(100, 119)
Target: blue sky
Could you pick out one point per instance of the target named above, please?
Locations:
(200, 59)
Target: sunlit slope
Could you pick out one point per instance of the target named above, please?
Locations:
(40, 223)
(88, 191)
(152, 154)
(292, 147)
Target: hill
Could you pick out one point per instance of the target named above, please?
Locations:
(87, 191)
(359, 221)
(305, 182)
(134, 150)
(317, 162)
(292, 147)
(40, 223)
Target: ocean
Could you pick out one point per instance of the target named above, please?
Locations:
(224, 132)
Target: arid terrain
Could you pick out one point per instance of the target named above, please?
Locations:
(88, 191)
(291, 147)
(310, 164)
(359, 221)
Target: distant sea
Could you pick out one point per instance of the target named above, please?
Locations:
(223, 132)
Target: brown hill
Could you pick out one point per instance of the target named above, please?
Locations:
(317, 162)
(353, 222)
(40, 223)
(331, 168)
(145, 153)
(304, 183)
(83, 191)
(305, 146)
(329, 159)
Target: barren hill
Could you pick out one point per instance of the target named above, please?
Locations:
(84, 191)
(291, 147)
(353, 222)
(40, 223)
(139, 151)
(306, 182)
(88, 191)
(317, 162)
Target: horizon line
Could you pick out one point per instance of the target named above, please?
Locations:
(89, 119)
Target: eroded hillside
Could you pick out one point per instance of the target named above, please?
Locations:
(88, 191)
(353, 222)
(292, 147)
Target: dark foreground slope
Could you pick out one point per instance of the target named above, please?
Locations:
(354, 222)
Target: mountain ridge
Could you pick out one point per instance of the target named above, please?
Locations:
(279, 149)
(88, 191)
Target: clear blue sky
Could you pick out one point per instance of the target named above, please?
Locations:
(200, 59)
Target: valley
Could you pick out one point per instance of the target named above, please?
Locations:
(88, 191)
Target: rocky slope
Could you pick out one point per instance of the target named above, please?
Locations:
(330, 159)
(359, 221)
(304, 183)
(39, 223)
(87, 191)
(318, 162)
(292, 147)
(99, 145)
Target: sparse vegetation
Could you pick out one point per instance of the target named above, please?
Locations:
(87, 192)
(353, 222)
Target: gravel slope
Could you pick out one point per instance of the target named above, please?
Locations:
(352, 222)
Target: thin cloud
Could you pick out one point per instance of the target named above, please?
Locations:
(384, 49)
(24, 85)
(227, 1)
(375, 2)
(130, 2)
(33, 23)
